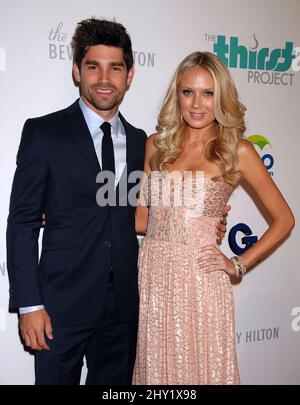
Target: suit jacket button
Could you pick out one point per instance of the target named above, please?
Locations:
(107, 244)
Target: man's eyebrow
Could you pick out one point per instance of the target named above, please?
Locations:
(117, 63)
(95, 62)
(91, 62)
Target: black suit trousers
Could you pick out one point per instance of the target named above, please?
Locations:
(108, 347)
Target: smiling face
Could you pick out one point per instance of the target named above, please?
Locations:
(103, 79)
(196, 94)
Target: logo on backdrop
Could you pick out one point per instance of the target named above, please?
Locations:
(240, 246)
(144, 59)
(258, 335)
(2, 60)
(296, 61)
(296, 321)
(265, 66)
(263, 144)
(60, 48)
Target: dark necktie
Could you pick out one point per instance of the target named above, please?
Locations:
(107, 149)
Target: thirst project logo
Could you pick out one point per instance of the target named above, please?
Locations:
(236, 55)
(264, 65)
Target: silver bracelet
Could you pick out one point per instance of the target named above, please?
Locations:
(239, 266)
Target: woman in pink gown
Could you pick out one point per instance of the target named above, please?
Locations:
(186, 324)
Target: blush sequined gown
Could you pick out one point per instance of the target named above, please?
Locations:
(186, 321)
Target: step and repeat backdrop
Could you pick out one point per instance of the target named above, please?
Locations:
(260, 42)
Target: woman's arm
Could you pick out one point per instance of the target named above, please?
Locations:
(141, 212)
(255, 173)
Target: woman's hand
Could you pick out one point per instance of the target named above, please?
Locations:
(221, 226)
(212, 259)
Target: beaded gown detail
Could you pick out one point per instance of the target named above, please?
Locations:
(186, 318)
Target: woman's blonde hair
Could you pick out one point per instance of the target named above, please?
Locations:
(221, 147)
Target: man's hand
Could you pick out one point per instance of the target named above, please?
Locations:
(221, 226)
(33, 327)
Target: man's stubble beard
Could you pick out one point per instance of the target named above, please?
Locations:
(106, 106)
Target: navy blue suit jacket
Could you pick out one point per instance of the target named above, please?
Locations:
(56, 174)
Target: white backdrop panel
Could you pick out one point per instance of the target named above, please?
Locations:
(35, 78)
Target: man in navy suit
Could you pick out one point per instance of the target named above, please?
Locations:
(81, 298)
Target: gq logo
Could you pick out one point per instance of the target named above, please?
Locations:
(262, 142)
(2, 60)
(248, 240)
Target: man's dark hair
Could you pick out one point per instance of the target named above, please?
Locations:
(93, 32)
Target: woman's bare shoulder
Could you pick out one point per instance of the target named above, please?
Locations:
(151, 148)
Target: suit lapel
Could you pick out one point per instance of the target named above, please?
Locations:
(130, 144)
(122, 195)
(82, 135)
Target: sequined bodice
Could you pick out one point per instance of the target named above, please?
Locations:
(184, 211)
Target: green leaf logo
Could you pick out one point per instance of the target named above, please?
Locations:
(259, 140)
